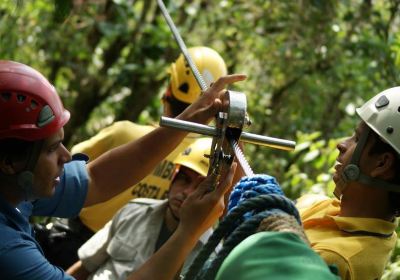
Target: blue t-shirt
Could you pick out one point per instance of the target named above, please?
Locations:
(20, 255)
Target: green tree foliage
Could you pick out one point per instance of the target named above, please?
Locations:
(309, 63)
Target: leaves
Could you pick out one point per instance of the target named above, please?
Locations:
(309, 64)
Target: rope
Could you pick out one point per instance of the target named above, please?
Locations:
(282, 222)
(249, 187)
(238, 235)
(235, 218)
(252, 200)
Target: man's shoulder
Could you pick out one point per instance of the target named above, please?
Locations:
(309, 200)
(126, 130)
(141, 209)
(146, 201)
(11, 238)
(142, 205)
(124, 125)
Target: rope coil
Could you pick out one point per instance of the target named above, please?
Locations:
(253, 200)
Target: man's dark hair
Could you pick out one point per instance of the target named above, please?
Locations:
(379, 147)
(14, 150)
(176, 106)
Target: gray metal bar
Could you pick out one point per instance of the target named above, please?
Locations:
(256, 139)
(281, 144)
(182, 46)
(188, 126)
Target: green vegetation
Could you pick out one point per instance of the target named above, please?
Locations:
(309, 64)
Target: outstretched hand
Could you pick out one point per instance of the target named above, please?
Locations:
(210, 102)
(202, 208)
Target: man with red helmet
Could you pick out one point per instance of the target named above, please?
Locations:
(39, 177)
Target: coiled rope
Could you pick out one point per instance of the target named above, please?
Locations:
(253, 200)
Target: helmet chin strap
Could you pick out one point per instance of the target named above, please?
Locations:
(352, 172)
(26, 177)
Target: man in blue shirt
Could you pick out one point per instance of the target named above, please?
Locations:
(37, 176)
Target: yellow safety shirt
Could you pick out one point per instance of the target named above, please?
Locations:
(359, 247)
(155, 185)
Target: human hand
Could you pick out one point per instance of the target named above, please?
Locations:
(202, 208)
(210, 102)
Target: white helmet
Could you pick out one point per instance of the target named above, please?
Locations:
(382, 114)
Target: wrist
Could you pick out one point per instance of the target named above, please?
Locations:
(189, 235)
(187, 115)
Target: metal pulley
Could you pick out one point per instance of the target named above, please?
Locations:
(229, 125)
(227, 133)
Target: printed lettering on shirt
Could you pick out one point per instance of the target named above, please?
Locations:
(165, 170)
(145, 190)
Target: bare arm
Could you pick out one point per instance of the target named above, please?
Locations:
(78, 271)
(198, 213)
(126, 165)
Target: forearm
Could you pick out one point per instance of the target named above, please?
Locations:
(126, 165)
(78, 271)
(168, 260)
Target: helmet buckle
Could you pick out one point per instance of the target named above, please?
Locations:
(351, 172)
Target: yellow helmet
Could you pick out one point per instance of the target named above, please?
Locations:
(184, 86)
(193, 156)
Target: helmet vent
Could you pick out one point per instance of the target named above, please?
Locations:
(21, 98)
(46, 116)
(34, 104)
(184, 87)
(6, 96)
(398, 109)
(381, 102)
(389, 130)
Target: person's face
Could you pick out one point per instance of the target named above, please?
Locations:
(184, 183)
(346, 149)
(50, 165)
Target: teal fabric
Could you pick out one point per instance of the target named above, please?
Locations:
(274, 255)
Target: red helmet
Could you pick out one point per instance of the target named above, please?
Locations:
(30, 107)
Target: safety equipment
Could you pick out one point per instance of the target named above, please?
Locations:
(382, 114)
(194, 156)
(243, 221)
(30, 106)
(184, 86)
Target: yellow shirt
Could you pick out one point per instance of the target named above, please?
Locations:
(359, 247)
(155, 185)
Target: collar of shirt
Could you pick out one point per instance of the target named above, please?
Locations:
(330, 210)
(356, 225)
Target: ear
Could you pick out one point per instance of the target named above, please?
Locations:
(166, 107)
(6, 166)
(384, 167)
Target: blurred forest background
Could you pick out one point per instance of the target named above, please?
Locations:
(309, 63)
